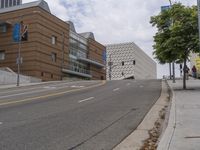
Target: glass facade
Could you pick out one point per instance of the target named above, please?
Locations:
(9, 3)
(78, 48)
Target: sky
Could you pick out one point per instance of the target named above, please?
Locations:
(115, 21)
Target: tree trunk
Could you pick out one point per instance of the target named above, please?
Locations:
(184, 73)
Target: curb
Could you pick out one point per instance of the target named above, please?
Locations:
(135, 140)
(166, 138)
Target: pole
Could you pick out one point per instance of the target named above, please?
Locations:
(173, 65)
(184, 74)
(19, 57)
(170, 71)
(110, 68)
(198, 6)
(63, 48)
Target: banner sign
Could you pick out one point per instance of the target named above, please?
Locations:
(104, 56)
(163, 8)
(20, 32)
(24, 32)
(16, 32)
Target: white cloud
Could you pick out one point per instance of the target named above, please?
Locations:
(114, 21)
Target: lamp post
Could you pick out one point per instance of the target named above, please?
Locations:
(173, 65)
(198, 6)
(110, 66)
(19, 57)
(18, 38)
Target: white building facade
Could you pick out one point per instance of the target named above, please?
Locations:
(9, 3)
(128, 61)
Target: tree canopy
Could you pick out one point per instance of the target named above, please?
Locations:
(177, 33)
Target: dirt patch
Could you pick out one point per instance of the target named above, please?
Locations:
(154, 134)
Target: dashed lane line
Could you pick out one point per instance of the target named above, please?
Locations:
(87, 99)
(117, 89)
(49, 95)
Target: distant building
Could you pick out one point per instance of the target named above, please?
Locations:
(128, 61)
(9, 3)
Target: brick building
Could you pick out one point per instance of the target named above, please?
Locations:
(53, 50)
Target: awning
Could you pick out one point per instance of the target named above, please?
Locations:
(91, 62)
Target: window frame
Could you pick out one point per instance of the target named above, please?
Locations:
(53, 40)
(53, 57)
(2, 57)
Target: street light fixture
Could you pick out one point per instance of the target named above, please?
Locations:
(19, 40)
(173, 65)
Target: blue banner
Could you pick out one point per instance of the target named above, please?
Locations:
(16, 32)
(104, 55)
(163, 8)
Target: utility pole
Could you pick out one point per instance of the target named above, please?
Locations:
(170, 71)
(173, 64)
(63, 53)
(19, 58)
(198, 6)
(110, 67)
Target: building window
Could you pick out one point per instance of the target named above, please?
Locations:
(53, 40)
(2, 3)
(14, 3)
(10, 3)
(18, 2)
(133, 62)
(51, 76)
(122, 63)
(2, 55)
(3, 28)
(42, 74)
(53, 57)
(6, 3)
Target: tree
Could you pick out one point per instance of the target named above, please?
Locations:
(177, 35)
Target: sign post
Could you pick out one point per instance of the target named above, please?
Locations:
(198, 6)
(17, 38)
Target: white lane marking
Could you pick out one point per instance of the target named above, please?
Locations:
(77, 86)
(81, 86)
(49, 87)
(128, 84)
(117, 89)
(141, 86)
(87, 99)
(1, 123)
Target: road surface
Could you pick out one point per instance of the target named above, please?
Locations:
(85, 115)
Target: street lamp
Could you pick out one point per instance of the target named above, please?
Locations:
(18, 36)
(198, 6)
(173, 65)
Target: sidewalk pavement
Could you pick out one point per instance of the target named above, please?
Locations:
(183, 130)
(7, 86)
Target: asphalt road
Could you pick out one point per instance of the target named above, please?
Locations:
(85, 115)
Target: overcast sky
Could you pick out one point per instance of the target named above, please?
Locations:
(114, 21)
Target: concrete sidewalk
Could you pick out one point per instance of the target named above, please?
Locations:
(183, 131)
